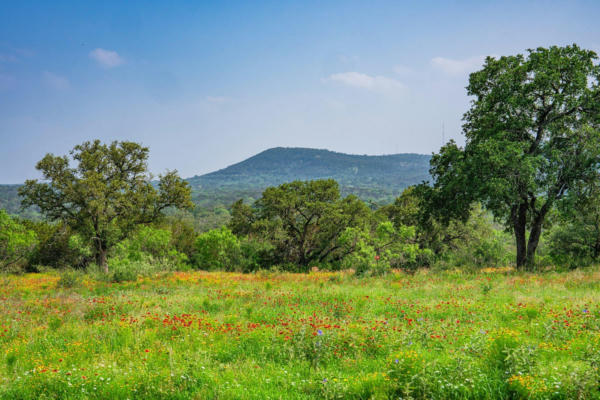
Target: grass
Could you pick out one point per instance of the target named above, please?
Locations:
(320, 335)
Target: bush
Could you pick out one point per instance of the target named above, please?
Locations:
(80, 252)
(123, 273)
(481, 245)
(360, 254)
(16, 243)
(68, 279)
(256, 254)
(57, 247)
(146, 241)
(148, 248)
(479, 252)
(572, 245)
(218, 249)
(376, 253)
(183, 236)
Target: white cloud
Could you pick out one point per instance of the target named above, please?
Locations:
(106, 58)
(55, 81)
(458, 67)
(364, 81)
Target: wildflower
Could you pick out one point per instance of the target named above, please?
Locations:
(396, 361)
(319, 332)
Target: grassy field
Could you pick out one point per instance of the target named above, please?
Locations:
(320, 335)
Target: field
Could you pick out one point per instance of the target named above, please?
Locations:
(206, 335)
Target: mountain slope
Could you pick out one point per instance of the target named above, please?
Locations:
(376, 178)
(9, 198)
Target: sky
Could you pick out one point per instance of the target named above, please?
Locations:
(207, 84)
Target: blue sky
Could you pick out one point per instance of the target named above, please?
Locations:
(207, 84)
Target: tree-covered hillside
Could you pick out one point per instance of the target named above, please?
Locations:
(372, 178)
(9, 201)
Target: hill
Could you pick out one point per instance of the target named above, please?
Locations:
(9, 200)
(372, 178)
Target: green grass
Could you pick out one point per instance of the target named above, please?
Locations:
(321, 335)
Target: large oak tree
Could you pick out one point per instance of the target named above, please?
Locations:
(532, 133)
(302, 219)
(103, 192)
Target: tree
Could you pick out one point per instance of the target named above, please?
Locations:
(242, 218)
(532, 133)
(106, 195)
(302, 220)
(16, 241)
(438, 233)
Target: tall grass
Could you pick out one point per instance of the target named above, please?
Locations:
(202, 335)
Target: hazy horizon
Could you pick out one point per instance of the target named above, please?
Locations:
(209, 85)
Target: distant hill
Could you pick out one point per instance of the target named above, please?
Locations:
(9, 200)
(373, 178)
(378, 179)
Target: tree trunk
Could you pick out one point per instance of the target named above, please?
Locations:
(534, 239)
(520, 226)
(536, 232)
(101, 258)
(103, 262)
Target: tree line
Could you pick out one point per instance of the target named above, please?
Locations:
(524, 184)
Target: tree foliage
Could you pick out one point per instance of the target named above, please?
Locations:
(218, 249)
(57, 246)
(532, 134)
(302, 219)
(106, 194)
(16, 241)
(575, 240)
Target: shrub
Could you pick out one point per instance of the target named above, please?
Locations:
(256, 254)
(68, 279)
(183, 236)
(147, 249)
(388, 247)
(146, 241)
(57, 247)
(360, 254)
(79, 250)
(16, 242)
(218, 249)
(123, 273)
(483, 249)
(573, 245)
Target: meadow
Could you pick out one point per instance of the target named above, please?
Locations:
(203, 335)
